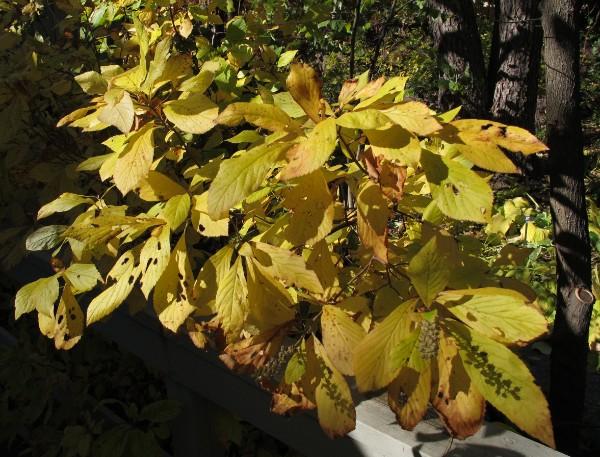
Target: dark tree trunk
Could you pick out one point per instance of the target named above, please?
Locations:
(571, 236)
(494, 63)
(460, 58)
(518, 62)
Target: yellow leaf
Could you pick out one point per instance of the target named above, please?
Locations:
(311, 204)
(514, 139)
(311, 154)
(501, 314)
(40, 295)
(286, 58)
(231, 302)
(286, 102)
(92, 83)
(176, 210)
(287, 266)
(202, 222)
(198, 83)
(335, 407)
(389, 88)
(64, 202)
(373, 215)
(118, 111)
(241, 175)
(414, 117)
(485, 155)
(378, 357)
(211, 275)
(458, 402)
(108, 300)
(82, 277)
(322, 262)
(135, 161)
(429, 270)
(173, 292)
(396, 144)
(368, 119)
(265, 116)
(154, 258)
(270, 304)
(504, 381)
(69, 321)
(305, 86)
(158, 187)
(408, 395)
(130, 80)
(341, 335)
(459, 192)
(192, 113)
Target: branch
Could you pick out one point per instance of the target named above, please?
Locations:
(381, 37)
(353, 38)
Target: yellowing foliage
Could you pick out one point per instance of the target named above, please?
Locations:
(310, 234)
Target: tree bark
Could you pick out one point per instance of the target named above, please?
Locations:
(460, 57)
(571, 236)
(518, 61)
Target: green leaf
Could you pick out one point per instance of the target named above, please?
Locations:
(502, 314)
(504, 381)
(241, 175)
(176, 210)
(192, 113)
(160, 411)
(429, 270)
(311, 154)
(378, 358)
(44, 238)
(296, 367)
(232, 301)
(245, 136)
(460, 193)
(135, 161)
(40, 295)
(64, 202)
(286, 58)
(82, 277)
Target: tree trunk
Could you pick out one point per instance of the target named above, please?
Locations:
(571, 236)
(460, 58)
(518, 62)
